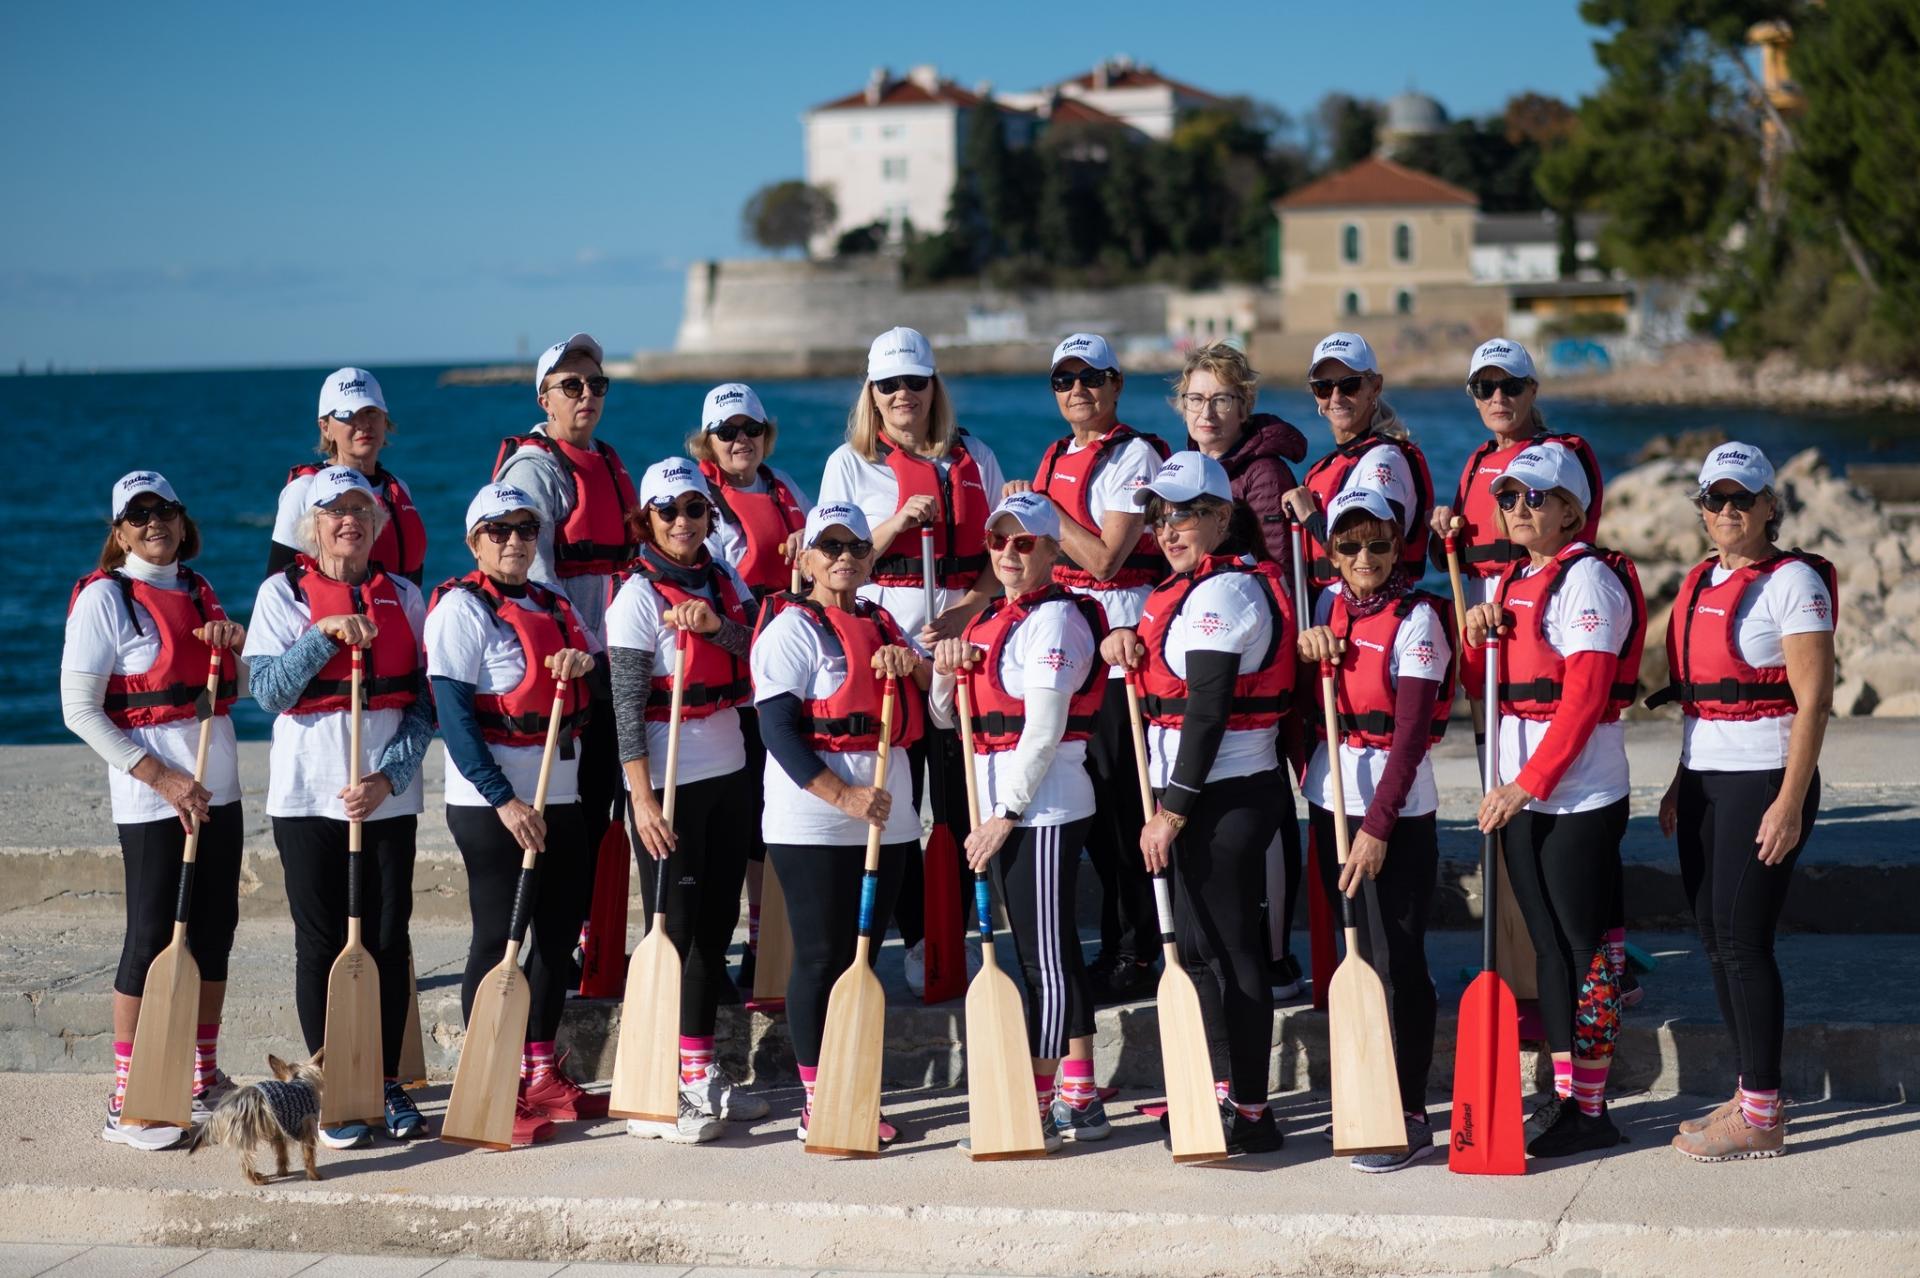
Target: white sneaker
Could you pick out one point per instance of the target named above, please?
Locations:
(694, 1126)
(917, 968)
(719, 1096)
(148, 1138)
(208, 1098)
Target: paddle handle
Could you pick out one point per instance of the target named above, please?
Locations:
(1139, 723)
(870, 876)
(1302, 619)
(797, 583)
(927, 586)
(1342, 841)
(681, 643)
(1452, 541)
(184, 897)
(1163, 909)
(982, 905)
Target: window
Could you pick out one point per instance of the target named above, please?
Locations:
(1350, 304)
(1402, 242)
(1403, 302)
(1350, 243)
(893, 168)
(891, 131)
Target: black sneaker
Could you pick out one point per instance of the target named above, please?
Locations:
(1573, 1132)
(1544, 1116)
(1284, 975)
(1129, 980)
(1244, 1136)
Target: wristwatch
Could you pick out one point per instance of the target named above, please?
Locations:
(1002, 812)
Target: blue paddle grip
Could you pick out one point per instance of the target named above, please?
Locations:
(981, 905)
(869, 888)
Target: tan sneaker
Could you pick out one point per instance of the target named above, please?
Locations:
(1733, 1138)
(1700, 1124)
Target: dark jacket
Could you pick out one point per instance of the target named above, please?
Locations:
(1257, 468)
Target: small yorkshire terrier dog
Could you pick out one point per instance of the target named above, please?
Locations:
(283, 1108)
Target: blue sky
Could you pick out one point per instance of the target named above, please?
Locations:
(194, 185)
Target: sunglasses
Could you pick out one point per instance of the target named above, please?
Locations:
(166, 511)
(574, 387)
(1023, 543)
(498, 533)
(833, 547)
(1091, 378)
(1511, 387)
(1717, 502)
(667, 512)
(1534, 498)
(912, 381)
(728, 433)
(1324, 387)
(1379, 549)
(1178, 517)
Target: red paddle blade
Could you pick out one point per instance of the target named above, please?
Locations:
(1320, 928)
(1486, 1083)
(603, 961)
(945, 951)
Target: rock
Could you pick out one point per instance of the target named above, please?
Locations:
(1906, 705)
(1890, 667)
(1693, 444)
(1852, 697)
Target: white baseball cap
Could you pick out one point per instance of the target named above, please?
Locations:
(1545, 466)
(1091, 347)
(1350, 349)
(348, 390)
(666, 480)
(133, 483)
(899, 352)
(496, 500)
(1362, 500)
(335, 482)
(843, 513)
(729, 400)
(1183, 477)
(560, 350)
(1031, 511)
(1744, 464)
(1502, 353)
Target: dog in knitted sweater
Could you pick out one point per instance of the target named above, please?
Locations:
(273, 1111)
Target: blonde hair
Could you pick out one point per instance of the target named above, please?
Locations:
(325, 451)
(1387, 423)
(700, 447)
(864, 425)
(1227, 363)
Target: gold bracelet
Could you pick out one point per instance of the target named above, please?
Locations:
(1174, 819)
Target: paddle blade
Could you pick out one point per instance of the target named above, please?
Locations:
(1321, 954)
(413, 1046)
(946, 946)
(846, 1092)
(1487, 1138)
(354, 1090)
(1003, 1111)
(487, 1080)
(1193, 1112)
(1366, 1089)
(773, 961)
(646, 1062)
(160, 1079)
(603, 960)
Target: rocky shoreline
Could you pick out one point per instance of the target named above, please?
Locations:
(1698, 373)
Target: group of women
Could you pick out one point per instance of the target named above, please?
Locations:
(925, 596)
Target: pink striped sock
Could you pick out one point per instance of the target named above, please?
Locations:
(1590, 1086)
(1043, 1092)
(1250, 1112)
(122, 1062)
(206, 1064)
(1762, 1109)
(536, 1061)
(1615, 944)
(1076, 1083)
(1220, 1089)
(696, 1053)
(808, 1073)
(1562, 1078)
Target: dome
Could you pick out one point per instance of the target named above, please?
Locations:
(1412, 112)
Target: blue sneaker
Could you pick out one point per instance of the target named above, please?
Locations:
(354, 1135)
(1089, 1124)
(404, 1119)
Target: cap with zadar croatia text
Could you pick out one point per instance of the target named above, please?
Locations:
(1504, 354)
(330, 485)
(1091, 347)
(1744, 464)
(845, 514)
(496, 500)
(1183, 477)
(560, 350)
(134, 483)
(666, 480)
(348, 390)
(1360, 500)
(1032, 511)
(1547, 466)
(1350, 349)
(728, 401)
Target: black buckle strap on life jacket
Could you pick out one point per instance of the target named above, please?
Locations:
(1377, 722)
(1172, 707)
(178, 694)
(533, 721)
(1548, 690)
(376, 686)
(1728, 691)
(943, 565)
(1000, 724)
(736, 691)
(857, 724)
(1498, 552)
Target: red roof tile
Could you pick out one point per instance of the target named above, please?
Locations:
(1074, 111)
(1376, 181)
(906, 93)
(1143, 78)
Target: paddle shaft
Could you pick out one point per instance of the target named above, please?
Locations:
(982, 904)
(1490, 780)
(671, 783)
(184, 896)
(1452, 541)
(927, 587)
(1300, 617)
(1162, 892)
(353, 780)
(523, 890)
(1341, 840)
(870, 875)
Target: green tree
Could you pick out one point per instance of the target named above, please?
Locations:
(784, 215)
(1347, 128)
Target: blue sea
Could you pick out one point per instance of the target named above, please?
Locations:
(225, 440)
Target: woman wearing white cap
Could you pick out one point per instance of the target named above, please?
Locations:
(354, 429)
(333, 598)
(1371, 446)
(819, 665)
(496, 644)
(1574, 622)
(675, 586)
(1750, 647)
(1215, 652)
(1034, 684)
(142, 629)
(1393, 647)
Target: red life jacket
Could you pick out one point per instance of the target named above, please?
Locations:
(1327, 478)
(1534, 672)
(998, 716)
(401, 546)
(170, 690)
(1365, 700)
(1067, 478)
(391, 677)
(519, 717)
(1484, 548)
(765, 520)
(1260, 696)
(848, 720)
(961, 507)
(1709, 677)
(716, 679)
(593, 539)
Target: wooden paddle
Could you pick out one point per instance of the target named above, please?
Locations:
(1487, 1139)
(1003, 1109)
(160, 1075)
(1320, 952)
(646, 1062)
(1193, 1111)
(354, 1090)
(845, 1115)
(413, 1046)
(944, 947)
(486, 1083)
(1367, 1118)
(773, 961)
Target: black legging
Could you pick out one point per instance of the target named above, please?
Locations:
(822, 884)
(1290, 864)
(938, 748)
(562, 875)
(313, 858)
(1220, 866)
(753, 782)
(1036, 868)
(712, 827)
(1736, 904)
(1565, 869)
(151, 853)
(1128, 920)
(1391, 913)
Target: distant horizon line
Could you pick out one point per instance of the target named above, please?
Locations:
(18, 373)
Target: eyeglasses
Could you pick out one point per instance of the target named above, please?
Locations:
(667, 512)
(1023, 543)
(574, 387)
(1178, 517)
(498, 533)
(1511, 387)
(912, 381)
(1091, 378)
(141, 516)
(728, 433)
(359, 510)
(1717, 502)
(1324, 387)
(833, 547)
(1512, 497)
(1194, 402)
(1379, 548)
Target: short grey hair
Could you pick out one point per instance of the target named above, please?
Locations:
(306, 536)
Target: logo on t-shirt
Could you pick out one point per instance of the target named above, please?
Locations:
(1817, 606)
(1589, 620)
(1055, 659)
(1210, 624)
(1422, 652)
(1382, 474)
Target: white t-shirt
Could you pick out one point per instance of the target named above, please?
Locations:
(1053, 648)
(467, 643)
(728, 543)
(1225, 613)
(1421, 650)
(873, 487)
(1593, 596)
(101, 641)
(1384, 469)
(307, 765)
(1791, 600)
(789, 657)
(1110, 488)
(709, 747)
